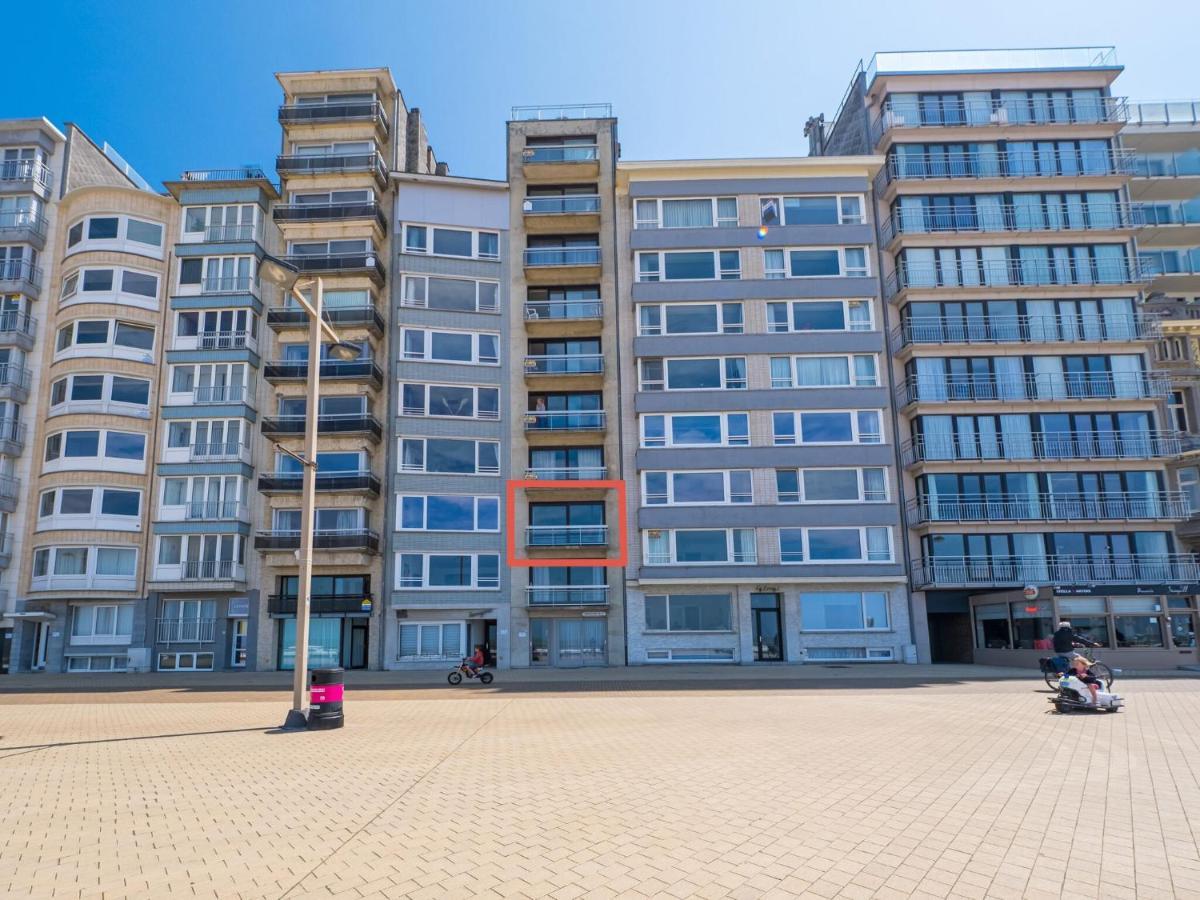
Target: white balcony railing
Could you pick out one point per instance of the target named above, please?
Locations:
(1043, 445)
(1050, 507)
(186, 631)
(1143, 569)
(1024, 329)
(1036, 386)
(567, 595)
(566, 536)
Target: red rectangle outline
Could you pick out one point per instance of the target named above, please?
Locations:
(524, 562)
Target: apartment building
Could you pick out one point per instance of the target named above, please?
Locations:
(757, 446)
(30, 155)
(567, 588)
(1033, 432)
(450, 419)
(97, 418)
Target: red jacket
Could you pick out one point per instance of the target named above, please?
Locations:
(478, 658)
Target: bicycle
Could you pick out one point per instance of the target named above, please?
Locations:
(1100, 670)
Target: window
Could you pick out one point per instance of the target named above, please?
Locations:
(1177, 410)
(449, 400)
(819, 315)
(696, 488)
(84, 505)
(102, 624)
(432, 640)
(844, 611)
(701, 546)
(688, 612)
(690, 318)
(846, 209)
(447, 512)
(220, 223)
(727, 373)
(118, 446)
(453, 294)
(122, 233)
(706, 212)
(449, 456)
(451, 346)
(689, 265)
(832, 427)
(452, 242)
(104, 338)
(865, 485)
(835, 545)
(97, 663)
(824, 371)
(448, 571)
(84, 568)
(700, 430)
(816, 262)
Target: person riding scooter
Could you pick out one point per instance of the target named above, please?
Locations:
(1079, 668)
(1066, 639)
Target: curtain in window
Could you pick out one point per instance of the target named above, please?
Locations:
(1015, 106)
(919, 268)
(1010, 377)
(864, 371)
(1027, 212)
(1017, 436)
(687, 214)
(995, 265)
(931, 379)
(989, 210)
(1118, 317)
(1094, 157)
(451, 639)
(879, 547)
(743, 545)
(1043, 325)
(1127, 375)
(978, 107)
(949, 270)
(987, 160)
(1035, 265)
(937, 432)
(1030, 551)
(904, 109)
(910, 158)
(1110, 263)
(1049, 382)
(822, 371)
(71, 561)
(913, 215)
(112, 561)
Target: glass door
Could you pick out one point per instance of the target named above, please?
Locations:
(581, 642)
(768, 628)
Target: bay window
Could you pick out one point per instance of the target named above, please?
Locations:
(102, 623)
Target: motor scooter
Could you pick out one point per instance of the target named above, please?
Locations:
(1073, 694)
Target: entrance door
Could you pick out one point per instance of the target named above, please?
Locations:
(6, 642)
(490, 643)
(41, 638)
(768, 627)
(358, 644)
(950, 638)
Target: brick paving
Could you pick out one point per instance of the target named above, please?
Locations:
(863, 787)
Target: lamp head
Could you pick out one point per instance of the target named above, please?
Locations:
(278, 272)
(343, 351)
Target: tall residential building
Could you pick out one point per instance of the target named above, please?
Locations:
(758, 449)
(1033, 432)
(30, 157)
(449, 418)
(567, 590)
(97, 418)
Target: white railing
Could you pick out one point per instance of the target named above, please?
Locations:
(989, 273)
(1035, 386)
(1145, 569)
(1014, 329)
(186, 631)
(1164, 112)
(1010, 217)
(1007, 164)
(216, 509)
(1061, 507)
(562, 111)
(1043, 445)
(566, 535)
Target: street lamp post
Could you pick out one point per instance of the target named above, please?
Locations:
(286, 277)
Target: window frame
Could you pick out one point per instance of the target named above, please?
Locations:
(790, 307)
(660, 269)
(411, 302)
(851, 371)
(477, 359)
(863, 546)
(774, 273)
(425, 556)
(668, 418)
(660, 330)
(798, 431)
(72, 291)
(862, 600)
(727, 383)
(478, 503)
(730, 609)
(425, 414)
(424, 470)
(121, 243)
(714, 202)
(673, 550)
(842, 217)
(429, 229)
(801, 492)
(727, 487)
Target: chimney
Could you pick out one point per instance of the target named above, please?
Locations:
(814, 130)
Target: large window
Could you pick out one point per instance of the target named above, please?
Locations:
(128, 287)
(689, 612)
(700, 546)
(449, 400)
(835, 545)
(111, 232)
(690, 318)
(116, 394)
(828, 427)
(819, 315)
(843, 209)
(438, 241)
(233, 222)
(449, 456)
(689, 265)
(102, 623)
(699, 430)
(104, 337)
(114, 509)
(432, 640)
(447, 512)
(699, 212)
(865, 485)
(116, 447)
(816, 262)
(84, 568)
(447, 571)
(451, 346)
(692, 374)
(696, 488)
(453, 294)
(844, 611)
(824, 371)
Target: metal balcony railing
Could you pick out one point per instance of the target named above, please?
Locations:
(583, 420)
(567, 595)
(1185, 212)
(186, 631)
(545, 153)
(565, 364)
(1042, 445)
(323, 539)
(992, 273)
(1185, 164)
(1169, 505)
(10, 488)
(556, 112)
(23, 220)
(567, 473)
(20, 270)
(26, 170)
(341, 423)
(223, 393)
(285, 604)
(969, 112)
(223, 340)
(566, 536)
(1010, 217)
(288, 482)
(564, 205)
(562, 256)
(335, 315)
(218, 234)
(18, 323)
(737, 558)
(367, 260)
(218, 451)
(216, 509)
(232, 284)
(12, 430)
(1023, 329)
(1157, 263)
(334, 111)
(211, 570)
(329, 212)
(14, 375)
(1164, 112)
(303, 164)
(245, 173)
(1030, 386)
(1005, 164)
(1004, 570)
(563, 310)
(333, 369)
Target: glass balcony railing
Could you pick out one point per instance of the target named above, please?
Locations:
(367, 315)
(565, 364)
(217, 510)
(948, 112)
(325, 163)
(1186, 212)
(567, 595)
(1019, 218)
(323, 539)
(219, 234)
(1167, 165)
(319, 604)
(293, 482)
(564, 205)
(566, 420)
(1023, 329)
(333, 369)
(1001, 273)
(563, 310)
(17, 323)
(218, 451)
(1041, 445)
(232, 284)
(1162, 505)
(22, 220)
(1032, 163)
(1030, 386)
(1145, 569)
(567, 473)
(562, 256)
(223, 393)
(20, 271)
(923, 62)
(566, 536)
(1157, 263)
(366, 261)
(1164, 112)
(334, 111)
(329, 212)
(343, 423)
(554, 113)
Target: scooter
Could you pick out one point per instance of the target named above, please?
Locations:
(1073, 694)
(456, 674)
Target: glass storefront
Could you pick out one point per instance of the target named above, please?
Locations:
(568, 642)
(324, 643)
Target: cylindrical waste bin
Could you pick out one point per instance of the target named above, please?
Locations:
(325, 699)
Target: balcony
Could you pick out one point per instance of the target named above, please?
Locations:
(566, 536)
(988, 275)
(18, 329)
(565, 364)
(568, 473)
(365, 263)
(333, 164)
(10, 492)
(565, 205)
(1004, 164)
(6, 549)
(230, 234)
(1171, 224)
(23, 227)
(1037, 386)
(982, 113)
(1143, 570)
(216, 511)
(537, 257)
(1185, 164)
(214, 394)
(216, 340)
(1047, 445)
(26, 174)
(586, 420)
(1024, 329)
(19, 276)
(340, 424)
(14, 382)
(1008, 217)
(1172, 269)
(358, 370)
(1162, 506)
(185, 631)
(233, 284)
(216, 451)
(323, 539)
(559, 112)
(1185, 113)
(339, 316)
(567, 595)
(12, 437)
(245, 173)
(320, 604)
(194, 574)
(563, 311)
(342, 482)
(334, 111)
(331, 212)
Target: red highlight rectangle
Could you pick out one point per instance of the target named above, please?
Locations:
(524, 562)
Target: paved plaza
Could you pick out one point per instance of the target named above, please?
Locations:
(895, 782)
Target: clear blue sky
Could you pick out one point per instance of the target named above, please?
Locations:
(176, 85)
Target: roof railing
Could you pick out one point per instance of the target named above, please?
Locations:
(562, 111)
